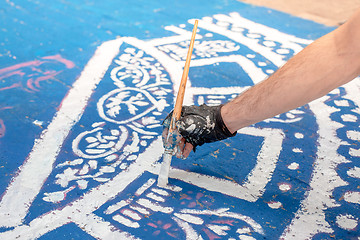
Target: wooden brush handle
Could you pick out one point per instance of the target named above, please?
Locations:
(180, 97)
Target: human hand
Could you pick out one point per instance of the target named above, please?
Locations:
(198, 125)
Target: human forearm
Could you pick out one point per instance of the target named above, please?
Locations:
(324, 65)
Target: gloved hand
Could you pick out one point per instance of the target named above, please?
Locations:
(200, 124)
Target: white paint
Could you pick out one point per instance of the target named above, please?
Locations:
(299, 135)
(293, 166)
(189, 218)
(223, 212)
(131, 214)
(82, 183)
(70, 163)
(284, 187)
(93, 164)
(354, 152)
(243, 230)
(349, 118)
(117, 206)
(153, 206)
(297, 150)
(190, 233)
(160, 191)
(98, 228)
(145, 186)
(164, 170)
(275, 205)
(219, 230)
(341, 103)
(155, 197)
(354, 172)
(353, 135)
(140, 210)
(38, 123)
(56, 197)
(283, 51)
(97, 153)
(256, 181)
(246, 237)
(39, 164)
(347, 222)
(310, 218)
(125, 221)
(352, 197)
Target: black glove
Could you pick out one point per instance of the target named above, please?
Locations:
(201, 124)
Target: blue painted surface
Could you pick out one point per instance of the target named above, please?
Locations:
(30, 31)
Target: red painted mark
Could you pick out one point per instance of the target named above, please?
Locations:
(157, 232)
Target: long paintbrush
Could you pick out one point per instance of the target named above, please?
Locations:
(165, 166)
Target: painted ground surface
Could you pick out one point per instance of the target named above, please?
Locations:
(84, 87)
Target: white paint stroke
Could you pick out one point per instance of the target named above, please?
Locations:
(145, 186)
(250, 43)
(189, 218)
(190, 233)
(257, 179)
(223, 212)
(116, 206)
(91, 200)
(310, 218)
(125, 221)
(154, 206)
(155, 197)
(32, 174)
(171, 66)
(100, 229)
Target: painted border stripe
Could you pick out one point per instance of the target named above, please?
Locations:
(39, 164)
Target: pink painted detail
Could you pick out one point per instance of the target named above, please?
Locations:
(199, 195)
(192, 204)
(171, 235)
(152, 225)
(28, 75)
(2, 128)
(59, 58)
(229, 222)
(157, 232)
(167, 225)
(210, 234)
